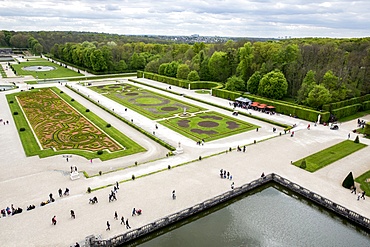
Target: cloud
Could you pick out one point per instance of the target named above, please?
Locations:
(251, 18)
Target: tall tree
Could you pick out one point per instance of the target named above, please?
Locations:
(218, 66)
(235, 83)
(253, 82)
(246, 58)
(318, 96)
(183, 71)
(273, 85)
(307, 85)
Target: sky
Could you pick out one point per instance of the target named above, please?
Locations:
(227, 18)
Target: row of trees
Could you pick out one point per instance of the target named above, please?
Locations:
(317, 71)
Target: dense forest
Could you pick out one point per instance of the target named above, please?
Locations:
(312, 71)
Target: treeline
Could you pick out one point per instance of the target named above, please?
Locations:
(311, 71)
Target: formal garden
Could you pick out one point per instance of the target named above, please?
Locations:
(40, 68)
(329, 155)
(48, 125)
(189, 120)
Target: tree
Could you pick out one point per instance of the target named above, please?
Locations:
(348, 182)
(235, 83)
(357, 139)
(253, 82)
(273, 85)
(246, 58)
(121, 66)
(318, 96)
(218, 66)
(193, 76)
(137, 61)
(153, 66)
(303, 164)
(308, 84)
(171, 69)
(162, 68)
(182, 71)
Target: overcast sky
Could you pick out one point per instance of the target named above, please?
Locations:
(237, 18)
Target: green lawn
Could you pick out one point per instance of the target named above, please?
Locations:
(32, 147)
(145, 102)
(208, 126)
(327, 156)
(364, 180)
(58, 72)
(355, 116)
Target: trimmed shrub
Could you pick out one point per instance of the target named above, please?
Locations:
(135, 163)
(133, 177)
(169, 167)
(367, 130)
(357, 140)
(99, 152)
(87, 110)
(61, 91)
(88, 190)
(100, 173)
(108, 125)
(200, 157)
(72, 99)
(22, 129)
(348, 182)
(346, 111)
(15, 113)
(303, 164)
(11, 102)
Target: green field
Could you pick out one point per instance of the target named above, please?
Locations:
(58, 72)
(327, 156)
(147, 103)
(63, 126)
(364, 181)
(207, 126)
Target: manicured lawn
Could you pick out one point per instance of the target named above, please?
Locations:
(58, 72)
(203, 91)
(364, 180)
(61, 125)
(208, 126)
(147, 103)
(327, 156)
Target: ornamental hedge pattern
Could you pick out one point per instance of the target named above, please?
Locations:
(59, 126)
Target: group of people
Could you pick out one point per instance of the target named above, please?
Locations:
(4, 122)
(200, 142)
(225, 174)
(239, 149)
(11, 211)
(123, 221)
(359, 195)
(112, 195)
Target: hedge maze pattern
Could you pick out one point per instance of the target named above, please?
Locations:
(57, 125)
(147, 103)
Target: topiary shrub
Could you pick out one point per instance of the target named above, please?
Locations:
(61, 91)
(11, 102)
(303, 164)
(100, 173)
(22, 129)
(200, 157)
(169, 167)
(88, 190)
(108, 125)
(87, 110)
(357, 140)
(99, 152)
(135, 163)
(133, 177)
(72, 99)
(348, 182)
(15, 113)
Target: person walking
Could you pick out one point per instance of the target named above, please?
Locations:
(115, 215)
(133, 212)
(54, 220)
(122, 220)
(127, 225)
(108, 226)
(173, 194)
(363, 195)
(232, 185)
(353, 190)
(117, 185)
(73, 214)
(359, 196)
(60, 192)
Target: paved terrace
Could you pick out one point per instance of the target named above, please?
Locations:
(29, 180)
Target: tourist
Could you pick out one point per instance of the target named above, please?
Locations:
(51, 197)
(349, 135)
(60, 192)
(244, 149)
(73, 214)
(309, 126)
(138, 212)
(115, 215)
(66, 192)
(77, 245)
(122, 220)
(228, 175)
(232, 185)
(359, 196)
(117, 185)
(262, 175)
(127, 225)
(231, 177)
(363, 195)
(133, 212)
(173, 195)
(108, 226)
(54, 220)
(353, 190)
